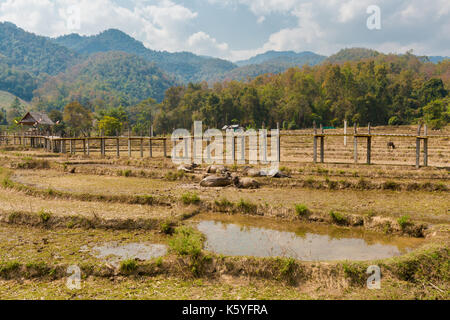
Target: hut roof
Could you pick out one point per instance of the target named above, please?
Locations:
(36, 118)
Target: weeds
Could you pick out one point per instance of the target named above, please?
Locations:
(186, 242)
(190, 198)
(44, 215)
(337, 217)
(128, 266)
(247, 207)
(301, 210)
(403, 222)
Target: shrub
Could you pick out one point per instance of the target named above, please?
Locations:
(301, 210)
(186, 241)
(167, 227)
(223, 204)
(246, 206)
(128, 266)
(403, 222)
(44, 215)
(391, 185)
(190, 198)
(337, 217)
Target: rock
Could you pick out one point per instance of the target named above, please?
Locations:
(246, 183)
(216, 181)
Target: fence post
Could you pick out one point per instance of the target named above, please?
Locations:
(418, 146)
(355, 142)
(425, 146)
(279, 143)
(142, 147)
(87, 146)
(129, 143)
(369, 144)
(322, 145)
(165, 148)
(315, 143)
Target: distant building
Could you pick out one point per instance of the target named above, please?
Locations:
(233, 127)
(35, 119)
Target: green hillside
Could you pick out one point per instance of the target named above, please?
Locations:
(7, 98)
(114, 78)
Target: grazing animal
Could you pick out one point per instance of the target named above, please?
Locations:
(216, 169)
(245, 183)
(216, 181)
(391, 145)
(251, 172)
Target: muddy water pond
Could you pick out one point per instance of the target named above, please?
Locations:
(113, 252)
(246, 236)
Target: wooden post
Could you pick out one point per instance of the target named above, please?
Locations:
(71, 146)
(151, 147)
(425, 146)
(322, 145)
(87, 146)
(355, 143)
(279, 143)
(369, 144)
(315, 143)
(165, 148)
(118, 147)
(345, 132)
(142, 147)
(418, 146)
(84, 146)
(129, 143)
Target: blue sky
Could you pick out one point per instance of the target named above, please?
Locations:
(239, 29)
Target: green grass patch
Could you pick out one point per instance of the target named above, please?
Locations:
(190, 198)
(301, 210)
(186, 242)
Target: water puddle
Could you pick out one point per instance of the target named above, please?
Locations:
(245, 236)
(114, 253)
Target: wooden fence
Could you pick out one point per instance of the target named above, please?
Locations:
(116, 145)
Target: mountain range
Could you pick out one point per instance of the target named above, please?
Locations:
(116, 68)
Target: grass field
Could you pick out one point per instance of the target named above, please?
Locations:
(55, 210)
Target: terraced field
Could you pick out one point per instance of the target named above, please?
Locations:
(139, 228)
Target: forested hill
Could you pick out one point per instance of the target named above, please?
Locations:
(32, 53)
(187, 67)
(109, 78)
(382, 89)
(292, 57)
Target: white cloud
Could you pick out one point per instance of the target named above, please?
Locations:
(203, 44)
(323, 26)
(162, 25)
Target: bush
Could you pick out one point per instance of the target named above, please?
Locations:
(246, 206)
(337, 217)
(190, 198)
(128, 266)
(223, 204)
(403, 222)
(301, 210)
(44, 215)
(186, 241)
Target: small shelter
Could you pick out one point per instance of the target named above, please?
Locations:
(38, 122)
(35, 119)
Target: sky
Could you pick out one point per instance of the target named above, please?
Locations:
(239, 29)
